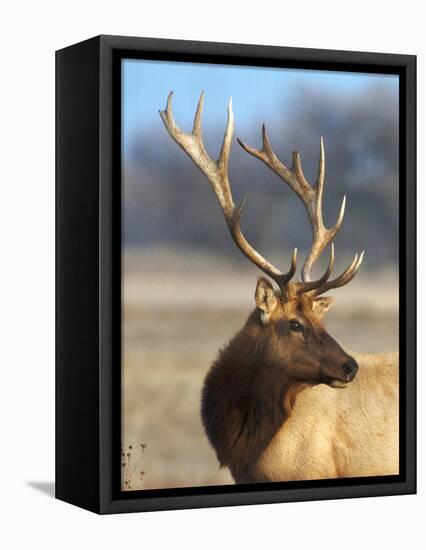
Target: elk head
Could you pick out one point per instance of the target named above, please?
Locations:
(289, 318)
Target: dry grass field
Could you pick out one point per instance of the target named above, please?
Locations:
(178, 311)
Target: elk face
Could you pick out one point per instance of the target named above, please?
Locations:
(297, 341)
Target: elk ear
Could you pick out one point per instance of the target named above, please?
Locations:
(321, 305)
(265, 298)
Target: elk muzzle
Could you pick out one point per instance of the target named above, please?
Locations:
(350, 368)
(344, 375)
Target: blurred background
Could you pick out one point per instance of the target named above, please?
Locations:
(186, 287)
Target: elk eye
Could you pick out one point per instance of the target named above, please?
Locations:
(296, 326)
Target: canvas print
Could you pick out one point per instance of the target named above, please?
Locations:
(260, 312)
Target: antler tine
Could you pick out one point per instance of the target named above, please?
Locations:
(227, 139)
(343, 279)
(308, 286)
(292, 176)
(193, 146)
(321, 235)
(217, 175)
(321, 169)
(196, 128)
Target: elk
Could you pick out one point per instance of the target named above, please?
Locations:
(283, 401)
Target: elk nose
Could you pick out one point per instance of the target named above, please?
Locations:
(350, 368)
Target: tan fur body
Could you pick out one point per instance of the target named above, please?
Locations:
(333, 433)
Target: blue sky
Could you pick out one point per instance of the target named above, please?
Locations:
(256, 91)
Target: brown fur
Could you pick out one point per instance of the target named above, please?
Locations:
(242, 406)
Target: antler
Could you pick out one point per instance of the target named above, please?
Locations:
(217, 174)
(311, 197)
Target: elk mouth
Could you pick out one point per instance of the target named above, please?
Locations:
(336, 382)
(347, 373)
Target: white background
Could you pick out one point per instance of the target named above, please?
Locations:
(30, 32)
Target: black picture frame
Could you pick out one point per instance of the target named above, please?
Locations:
(88, 273)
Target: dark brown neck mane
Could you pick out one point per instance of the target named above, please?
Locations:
(245, 399)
